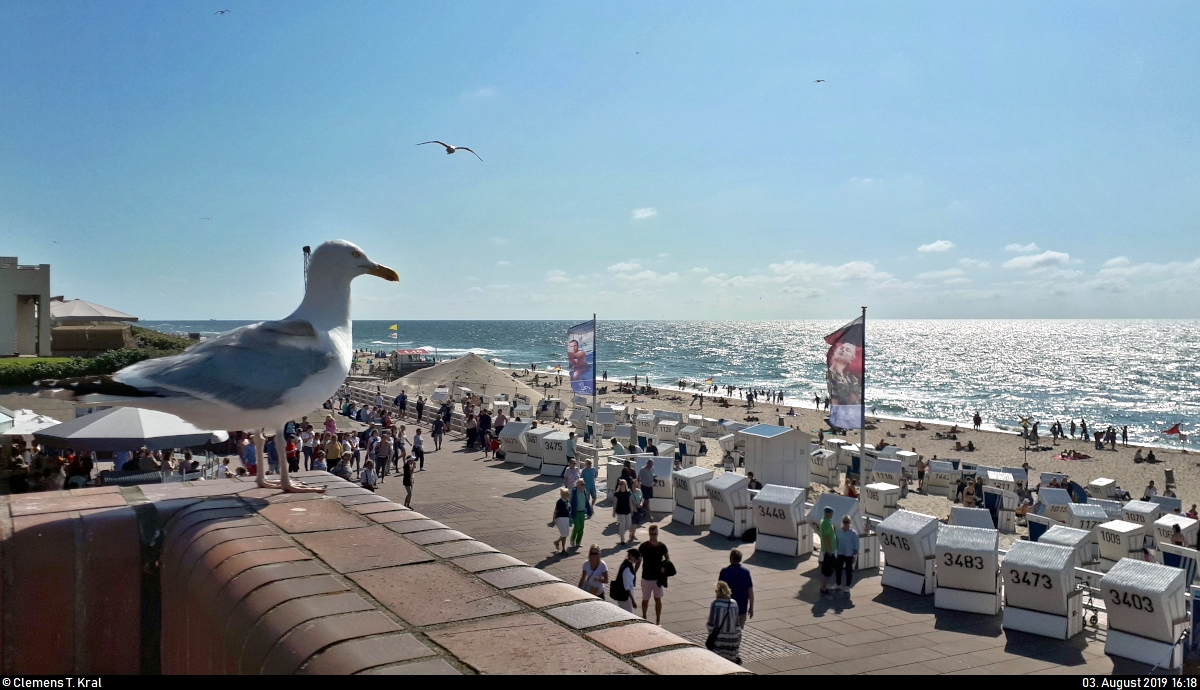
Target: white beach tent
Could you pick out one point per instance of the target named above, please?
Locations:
(469, 371)
(26, 422)
(79, 311)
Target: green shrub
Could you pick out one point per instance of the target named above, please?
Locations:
(105, 363)
(154, 340)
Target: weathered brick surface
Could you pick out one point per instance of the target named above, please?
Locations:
(256, 581)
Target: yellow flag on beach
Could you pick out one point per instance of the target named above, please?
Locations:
(708, 380)
(394, 327)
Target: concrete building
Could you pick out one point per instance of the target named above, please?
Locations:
(24, 308)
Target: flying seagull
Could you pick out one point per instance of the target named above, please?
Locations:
(206, 219)
(221, 12)
(449, 148)
(818, 81)
(253, 377)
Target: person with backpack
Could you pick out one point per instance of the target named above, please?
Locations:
(438, 428)
(623, 586)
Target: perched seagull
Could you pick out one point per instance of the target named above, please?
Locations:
(818, 81)
(221, 12)
(253, 377)
(449, 148)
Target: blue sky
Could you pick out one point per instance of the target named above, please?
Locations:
(640, 160)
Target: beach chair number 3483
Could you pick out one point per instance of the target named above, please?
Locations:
(958, 559)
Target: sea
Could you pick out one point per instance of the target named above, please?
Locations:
(1140, 374)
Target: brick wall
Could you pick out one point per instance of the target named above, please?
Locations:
(221, 577)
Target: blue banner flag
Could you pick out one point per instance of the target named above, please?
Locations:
(581, 357)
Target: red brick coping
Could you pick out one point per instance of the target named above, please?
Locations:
(220, 577)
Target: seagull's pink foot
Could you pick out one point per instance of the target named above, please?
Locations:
(293, 487)
(264, 483)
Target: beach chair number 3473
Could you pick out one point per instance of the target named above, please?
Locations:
(1023, 578)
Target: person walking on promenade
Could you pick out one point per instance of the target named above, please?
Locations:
(370, 480)
(588, 475)
(741, 586)
(623, 586)
(622, 511)
(570, 475)
(420, 408)
(579, 499)
(571, 448)
(418, 446)
(653, 553)
(646, 480)
(828, 549)
(562, 519)
(723, 615)
(410, 466)
(438, 428)
(847, 552)
(595, 573)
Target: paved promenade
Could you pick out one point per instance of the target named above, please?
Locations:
(794, 630)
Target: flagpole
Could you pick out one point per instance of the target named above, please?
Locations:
(595, 415)
(862, 398)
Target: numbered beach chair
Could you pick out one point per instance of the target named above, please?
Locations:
(1180, 557)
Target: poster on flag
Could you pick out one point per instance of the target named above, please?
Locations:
(844, 375)
(581, 357)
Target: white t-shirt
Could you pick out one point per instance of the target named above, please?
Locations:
(627, 580)
(307, 438)
(593, 581)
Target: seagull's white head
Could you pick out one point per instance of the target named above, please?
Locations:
(345, 260)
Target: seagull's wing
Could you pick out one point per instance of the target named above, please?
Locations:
(252, 367)
(464, 148)
(436, 142)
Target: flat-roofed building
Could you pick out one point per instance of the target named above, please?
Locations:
(24, 308)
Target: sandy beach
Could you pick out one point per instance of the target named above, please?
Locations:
(993, 448)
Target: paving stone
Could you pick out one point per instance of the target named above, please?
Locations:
(460, 548)
(589, 614)
(433, 667)
(640, 637)
(526, 644)
(350, 550)
(432, 593)
(436, 536)
(515, 577)
(408, 526)
(551, 594)
(395, 515)
(36, 504)
(365, 499)
(486, 561)
(691, 661)
(354, 656)
(313, 516)
(380, 506)
(349, 491)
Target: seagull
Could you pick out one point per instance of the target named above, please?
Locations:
(254, 377)
(221, 12)
(818, 81)
(206, 219)
(449, 148)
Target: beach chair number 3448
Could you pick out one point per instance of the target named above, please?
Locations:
(776, 512)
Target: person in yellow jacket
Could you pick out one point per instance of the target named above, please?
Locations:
(828, 549)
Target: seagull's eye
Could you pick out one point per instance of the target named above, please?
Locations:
(357, 255)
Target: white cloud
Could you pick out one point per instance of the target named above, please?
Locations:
(939, 246)
(653, 277)
(1022, 248)
(501, 263)
(664, 255)
(1116, 262)
(941, 275)
(557, 277)
(498, 240)
(701, 270)
(643, 213)
(624, 267)
(973, 263)
(1046, 259)
(481, 93)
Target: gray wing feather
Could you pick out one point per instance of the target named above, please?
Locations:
(251, 367)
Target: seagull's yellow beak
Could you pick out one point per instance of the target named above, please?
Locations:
(384, 272)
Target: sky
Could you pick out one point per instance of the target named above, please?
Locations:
(640, 160)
